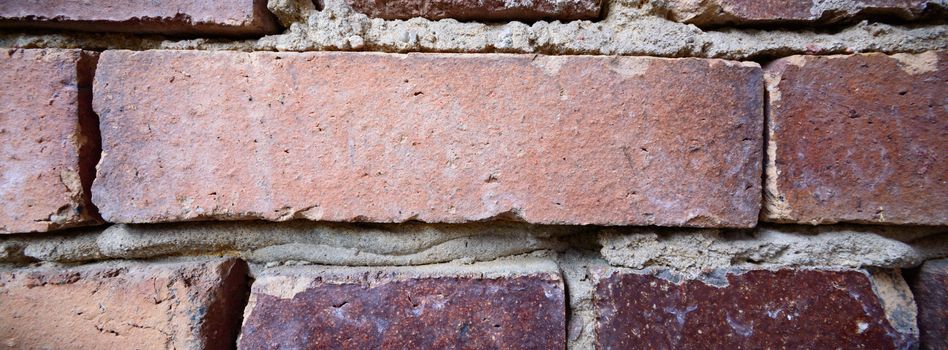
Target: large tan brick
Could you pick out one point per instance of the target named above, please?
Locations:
(429, 137)
(860, 138)
(49, 137)
(225, 17)
(756, 12)
(123, 305)
(480, 10)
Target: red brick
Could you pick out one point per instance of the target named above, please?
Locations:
(49, 138)
(429, 137)
(931, 295)
(223, 17)
(751, 12)
(385, 311)
(480, 10)
(861, 138)
(187, 305)
(784, 309)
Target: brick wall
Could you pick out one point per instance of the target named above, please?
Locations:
(473, 174)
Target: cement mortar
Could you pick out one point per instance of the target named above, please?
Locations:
(696, 252)
(332, 244)
(629, 28)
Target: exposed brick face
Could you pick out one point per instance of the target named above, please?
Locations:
(759, 309)
(480, 10)
(50, 145)
(227, 17)
(931, 295)
(751, 12)
(192, 305)
(437, 138)
(858, 138)
(517, 312)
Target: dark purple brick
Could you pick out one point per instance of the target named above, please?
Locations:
(785, 309)
(931, 295)
(522, 312)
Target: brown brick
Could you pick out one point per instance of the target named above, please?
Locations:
(187, 305)
(429, 137)
(480, 10)
(861, 138)
(751, 12)
(761, 309)
(382, 310)
(49, 138)
(931, 295)
(223, 17)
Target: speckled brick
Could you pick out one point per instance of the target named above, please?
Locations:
(769, 12)
(218, 17)
(761, 309)
(123, 305)
(481, 10)
(49, 137)
(191, 135)
(377, 310)
(859, 138)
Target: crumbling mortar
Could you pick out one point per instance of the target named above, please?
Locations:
(628, 28)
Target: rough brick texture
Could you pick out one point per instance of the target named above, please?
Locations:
(188, 305)
(437, 138)
(784, 309)
(480, 10)
(50, 145)
(860, 138)
(931, 295)
(224, 17)
(383, 311)
(750, 12)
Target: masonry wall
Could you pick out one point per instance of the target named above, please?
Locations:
(473, 174)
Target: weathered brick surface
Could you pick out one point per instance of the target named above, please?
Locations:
(480, 10)
(860, 138)
(931, 295)
(226, 17)
(385, 311)
(190, 305)
(430, 137)
(783, 309)
(744, 12)
(49, 138)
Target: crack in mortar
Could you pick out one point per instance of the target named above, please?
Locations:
(629, 28)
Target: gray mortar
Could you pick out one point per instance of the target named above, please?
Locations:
(696, 252)
(580, 287)
(333, 244)
(629, 28)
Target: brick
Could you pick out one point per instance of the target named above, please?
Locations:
(123, 305)
(437, 138)
(480, 10)
(374, 309)
(49, 137)
(219, 17)
(760, 309)
(931, 295)
(758, 12)
(860, 138)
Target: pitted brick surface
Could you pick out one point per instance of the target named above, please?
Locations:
(429, 137)
(49, 138)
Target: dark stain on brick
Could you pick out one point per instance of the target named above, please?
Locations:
(785, 309)
(431, 313)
